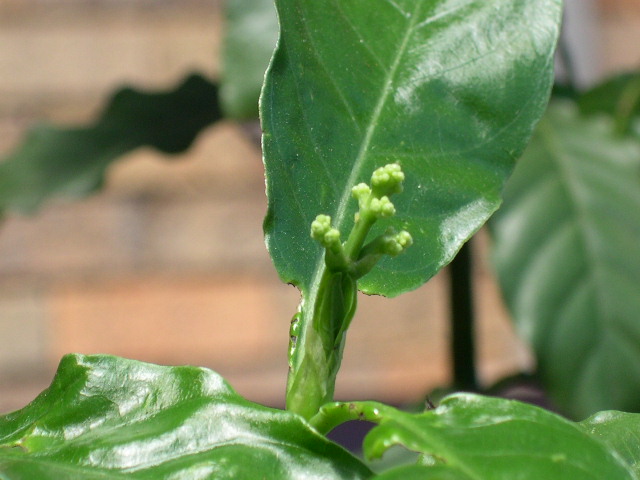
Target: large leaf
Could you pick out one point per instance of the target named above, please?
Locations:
(251, 31)
(619, 431)
(105, 417)
(450, 89)
(471, 437)
(72, 161)
(567, 253)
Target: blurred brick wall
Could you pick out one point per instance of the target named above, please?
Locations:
(620, 21)
(167, 264)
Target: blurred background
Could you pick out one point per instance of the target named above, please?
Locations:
(167, 263)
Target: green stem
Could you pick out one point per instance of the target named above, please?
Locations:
(333, 414)
(318, 331)
(359, 234)
(462, 316)
(315, 360)
(314, 365)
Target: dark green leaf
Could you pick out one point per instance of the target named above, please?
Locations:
(105, 417)
(567, 253)
(474, 437)
(72, 161)
(619, 97)
(619, 431)
(251, 34)
(450, 89)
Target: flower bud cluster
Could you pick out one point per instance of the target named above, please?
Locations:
(396, 243)
(323, 232)
(362, 193)
(387, 180)
(382, 207)
(374, 200)
(354, 257)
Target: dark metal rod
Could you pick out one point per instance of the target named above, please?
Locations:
(462, 321)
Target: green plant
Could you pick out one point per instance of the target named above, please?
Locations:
(566, 253)
(450, 91)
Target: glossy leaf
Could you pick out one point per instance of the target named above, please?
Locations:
(72, 161)
(567, 254)
(450, 89)
(105, 417)
(251, 31)
(473, 437)
(419, 472)
(619, 431)
(619, 97)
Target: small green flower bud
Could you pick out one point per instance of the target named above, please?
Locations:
(361, 190)
(387, 180)
(320, 226)
(405, 239)
(331, 238)
(396, 243)
(382, 207)
(362, 193)
(391, 247)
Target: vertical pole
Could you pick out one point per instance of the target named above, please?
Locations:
(462, 321)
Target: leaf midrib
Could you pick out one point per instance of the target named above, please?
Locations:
(364, 147)
(559, 156)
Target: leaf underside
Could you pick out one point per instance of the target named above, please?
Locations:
(567, 255)
(71, 162)
(105, 417)
(449, 89)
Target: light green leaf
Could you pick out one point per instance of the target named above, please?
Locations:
(251, 31)
(567, 253)
(419, 472)
(450, 89)
(619, 431)
(474, 437)
(56, 161)
(108, 418)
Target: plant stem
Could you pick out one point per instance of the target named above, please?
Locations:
(318, 330)
(462, 321)
(359, 234)
(333, 414)
(315, 360)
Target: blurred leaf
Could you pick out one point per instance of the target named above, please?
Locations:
(567, 254)
(449, 89)
(72, 161)
(107, 417)
(619, 431)
(474, 437)
(619, 97)
(251, 34)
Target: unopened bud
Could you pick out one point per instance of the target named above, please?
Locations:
(397, 243)
(382, 207)
(387, 180)
(320, 226)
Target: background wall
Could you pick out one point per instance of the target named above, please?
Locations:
(167, 264)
